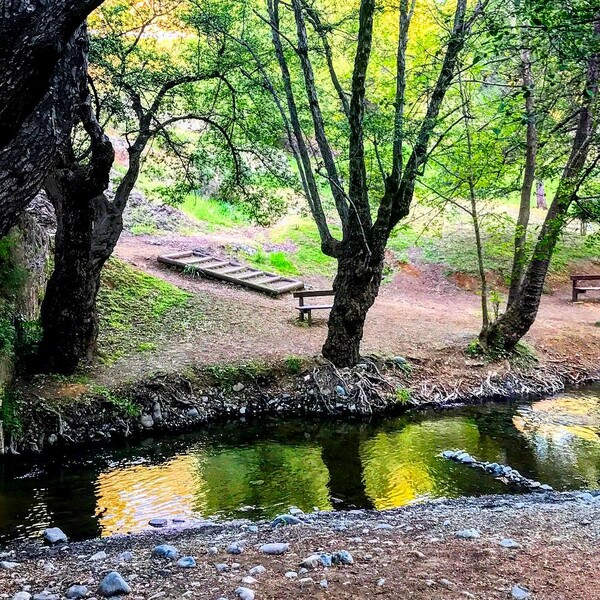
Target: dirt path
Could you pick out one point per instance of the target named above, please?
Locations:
(413, 552)
(418, 313)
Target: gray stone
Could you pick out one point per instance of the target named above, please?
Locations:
(165, 551)
(274, 549)
(257, 570)
(509, 543)
(22, 596)
(468, 534)
(383, 526)
(294, 510)
(147, 421)
(52, 439)
(244, 593)
(113, 585)
(213, 550)
(8, 565)
(520, 593)
(45, 595)
(222, 567)
(587, 497)
(342, 557)
(125, 557)
(291, 574)
(98, 556)
(158, 522)
(547, 488)
(306, 581)
(449, 454)
(76, 592)
(311, 562)
(54, 535)
(186, 562)
(157, 412)
(381, 582)
(193, 413)
(234, 548)
(248, 580)
(340, 391)
(238, 387)
(285, 520)
(323, 583)
(326, 559)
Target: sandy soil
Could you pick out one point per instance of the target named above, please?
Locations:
(417, 555)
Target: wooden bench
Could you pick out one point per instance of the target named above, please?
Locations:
(578, 288)
(306, 309)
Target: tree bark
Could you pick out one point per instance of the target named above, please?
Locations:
(27, 160)
(356, 287)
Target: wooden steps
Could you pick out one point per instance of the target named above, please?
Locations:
(231, 271)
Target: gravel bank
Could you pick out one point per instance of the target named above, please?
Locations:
(544, 545)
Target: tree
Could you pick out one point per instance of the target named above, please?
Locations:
(137, 87)
(583, 160)
(360, 252)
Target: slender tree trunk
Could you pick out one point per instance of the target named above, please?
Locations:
(507, 331)
(519, 258)
(356, 286)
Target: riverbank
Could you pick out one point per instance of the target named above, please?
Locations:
(56, 414)
(543, 545)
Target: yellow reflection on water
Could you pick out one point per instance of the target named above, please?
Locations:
(128, 497)
(399, 467)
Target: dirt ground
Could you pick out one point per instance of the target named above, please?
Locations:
(413, 552)
(418, 313)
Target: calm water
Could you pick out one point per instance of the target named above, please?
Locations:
(258, 470)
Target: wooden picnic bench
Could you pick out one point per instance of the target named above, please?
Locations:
(306, 309)
(579, 288)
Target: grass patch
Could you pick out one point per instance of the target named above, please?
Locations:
(293, 364)
(123, 404)
(213, 212)
(137, 310)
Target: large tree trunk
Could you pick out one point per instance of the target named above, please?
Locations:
(69, 308)
(356, 286)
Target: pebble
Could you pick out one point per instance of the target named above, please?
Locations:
(165, 551)
(295, 511)
(46, 595)
(274, 549)
(54, 535)
(22, 596)
(252, 528)
(113, 585)
(285, 520)
(158, 522)
(520, 593)
(510, 543)
(222, 567)
(381, 582)
(76, 591)
(383, 526)
(125, 557)
(257, 570)
(323, 583)
(306, 581)
(147, 421)
(311, 562)
(587, 497)
(248, 580)
(238, 387)
(291, 574)
(213, 550)
(244, 593)
(343, 557)
(186, 562)
(235, 549)
(98, 556)
(468, 534)
(7, 565)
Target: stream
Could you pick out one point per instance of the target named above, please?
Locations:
(258, 469)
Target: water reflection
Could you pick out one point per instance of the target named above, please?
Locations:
(258, 470)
